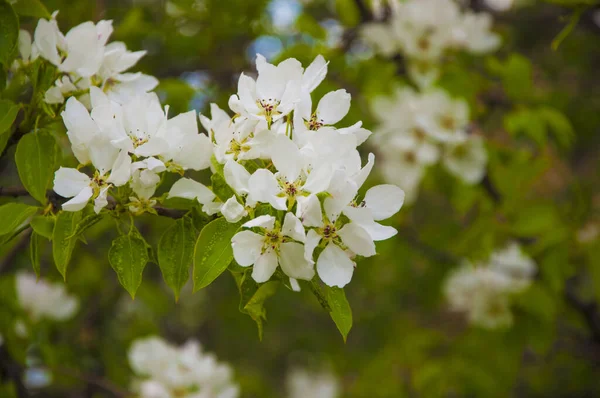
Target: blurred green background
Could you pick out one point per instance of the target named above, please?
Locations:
(405, 341)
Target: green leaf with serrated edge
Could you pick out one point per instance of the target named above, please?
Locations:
(43, 225)
(176, 252)
(128, 256)
(12, 215)
(220, 187)
(31, 8)
(34, 252)
(341, 313)
(62, 245)
(252, 298)
(9, 32)
(213, 252)
(8, 114)
(87, 222)
(36, 157)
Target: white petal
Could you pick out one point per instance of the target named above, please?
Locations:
(334, 267)
(79, 201)
(312, 241)
(69, 182)
(264, 267)
(246, 247)
(264, 188)
(314, 74)
(319, 179)
(379, 232)
(236, 176)
(286, 157)
(121, 170)
(232, 210)
(362, 175)
(308, 211)
(265, 221)
(189, 189)
(195, 153)
(384, 200)
(101, 201)
(357, 239)
(294, 284)
(333, 107)
(293, 263)
(293, 228)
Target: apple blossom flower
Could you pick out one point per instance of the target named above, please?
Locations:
(42, 299)
(166, 371)
(466, 160)
(302, 383)
(274, 245)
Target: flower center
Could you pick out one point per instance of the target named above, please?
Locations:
(269, 108)
(314, 124)
(273, 239)
(448, 122)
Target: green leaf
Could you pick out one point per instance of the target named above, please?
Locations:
(31, 8)
(315, 288)
(252, 299)
(341, 313)
(220, 187)
(14, 214)
(8, 114)
(62, 244)
(9, 32)
(87, 222)
(213, 253)
(176, 252)
(518, 77)
(34, 252)
(558, 124)
(128, 256)
(36, 157)
(43, 226)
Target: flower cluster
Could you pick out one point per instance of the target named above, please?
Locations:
(293, 177)
(167, 371)
(84, 60)
(425, 30)
(301, 383)
(127, 144)
(484, 291)
(434, 128)
(41, 299)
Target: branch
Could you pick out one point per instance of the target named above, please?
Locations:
(9, 259)
(589, 312)
(13, 371)
(171, 213)
(363, 10)
(13, 191)
(104, 384)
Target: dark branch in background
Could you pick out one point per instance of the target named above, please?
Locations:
(490, 189)
(11, 370)
(13, 191)
(588, 310)
(92, 380)
(171, 213)
(363, 10)
(10, 257)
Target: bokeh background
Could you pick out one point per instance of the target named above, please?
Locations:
(541, 189)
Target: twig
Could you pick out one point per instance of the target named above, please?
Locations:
(104, 384)
(171, 213)
(589, 312)
(13, 191)
(13, 371)
(10, 257)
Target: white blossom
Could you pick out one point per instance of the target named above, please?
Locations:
(467, 160)
(167, 371)
(301, 383)
(41, 299)
(484, 291)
